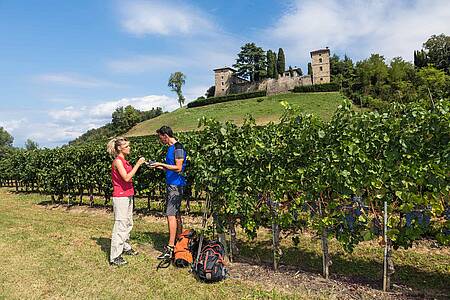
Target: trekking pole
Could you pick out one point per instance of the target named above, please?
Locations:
(204, 223)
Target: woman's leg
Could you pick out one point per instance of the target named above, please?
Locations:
(119, 233)
(129, 224)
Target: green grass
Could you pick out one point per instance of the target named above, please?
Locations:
(50, 252)
(55, 254)
(263, 109)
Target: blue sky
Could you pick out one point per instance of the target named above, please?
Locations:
(66, 65)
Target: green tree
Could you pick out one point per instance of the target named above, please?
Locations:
(251, 62)
(401, 75)
(6, 142)
(341, 71)
(275, 67)
(291, 71)
(281, 61)
(438, 51)
(433, 83)
(420, 59)
(371, 75)
(176, 81)
(270, 64)
(309, 69)
(125, 118)
(210, 92)
(31, 145)
(6, 139)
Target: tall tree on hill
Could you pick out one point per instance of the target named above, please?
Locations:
(251, 62)
(438, 51)
(281, 61)
(176, 81)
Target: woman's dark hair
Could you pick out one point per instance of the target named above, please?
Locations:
(165, 130)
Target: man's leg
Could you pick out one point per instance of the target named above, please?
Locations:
(173, 203)
(178, 206)
(172, 222)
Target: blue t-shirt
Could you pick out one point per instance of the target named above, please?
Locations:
(175, 151)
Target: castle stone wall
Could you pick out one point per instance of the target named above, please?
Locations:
(272, 86)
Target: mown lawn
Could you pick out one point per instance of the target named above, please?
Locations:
(53, 252)
(263, 109)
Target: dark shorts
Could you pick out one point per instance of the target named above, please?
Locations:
(173, 199)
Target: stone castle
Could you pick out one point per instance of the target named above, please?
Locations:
(227, 82)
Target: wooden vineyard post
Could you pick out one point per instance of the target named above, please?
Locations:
(91, 196)
(326, 261)
(233, 245)
(275, 235)
(388, 264)
(276, 245)
(221, 236)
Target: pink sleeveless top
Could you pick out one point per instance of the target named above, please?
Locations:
(121, 188)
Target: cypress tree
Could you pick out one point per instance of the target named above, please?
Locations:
(416, 63)
(281, 61)
(309, 69)
(275, 68)
(270, 64)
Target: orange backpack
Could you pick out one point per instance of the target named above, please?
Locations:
(184, 248)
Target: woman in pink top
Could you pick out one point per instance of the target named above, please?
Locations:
(123, 196)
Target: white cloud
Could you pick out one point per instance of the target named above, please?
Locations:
(162, 18)
(99, 114)
(74, 80)
(58, 126)
(12, 125)
(359, 28)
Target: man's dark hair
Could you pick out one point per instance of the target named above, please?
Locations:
(165, 130)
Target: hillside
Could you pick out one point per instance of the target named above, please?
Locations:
(263, 109)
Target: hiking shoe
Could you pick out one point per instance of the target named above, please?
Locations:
(167, 254)
(130, 252)
(118, 261)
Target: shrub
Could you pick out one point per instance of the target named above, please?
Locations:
(324, 87)
(220, 99)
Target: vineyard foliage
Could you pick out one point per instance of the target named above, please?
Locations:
(302, 173)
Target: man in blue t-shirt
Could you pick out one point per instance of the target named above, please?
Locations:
(173, 166)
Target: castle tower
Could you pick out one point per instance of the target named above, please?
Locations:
(223, 80)
(320, 63)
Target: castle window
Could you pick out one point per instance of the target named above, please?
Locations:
(222, 83)
(222, 77)
(321, 78)
(321, 69)
(320, 54)
(223, 90)
(320, 60)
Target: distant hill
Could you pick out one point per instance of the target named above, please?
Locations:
(263, 109)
